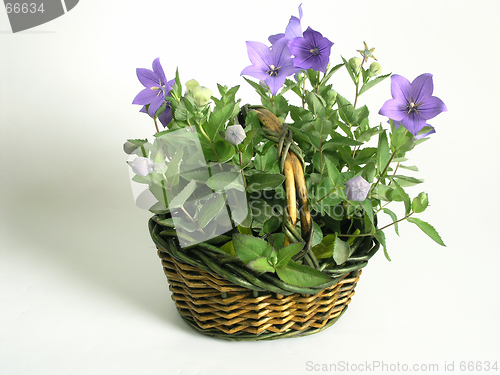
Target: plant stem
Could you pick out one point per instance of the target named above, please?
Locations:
(156, 124)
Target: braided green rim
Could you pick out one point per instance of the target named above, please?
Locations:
(211, 259)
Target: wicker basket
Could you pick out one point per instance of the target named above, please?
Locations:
(218, 296)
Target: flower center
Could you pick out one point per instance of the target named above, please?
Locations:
(314, 51)
(161, 89)
(273, 71)
(412, 107)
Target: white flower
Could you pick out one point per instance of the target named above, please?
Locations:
(357, 189)
(235, 134)
(142, 166)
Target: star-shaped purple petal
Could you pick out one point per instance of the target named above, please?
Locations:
(270, 65)
(312, 51)
(412, 104)
(156, 87)
(293, 29)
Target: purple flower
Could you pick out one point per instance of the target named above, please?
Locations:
(293, 30)
(418, 136)
(357, 189)
(156, 87)
(312, 51)
(412, 104)
(270, 65)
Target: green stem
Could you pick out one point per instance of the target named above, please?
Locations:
(378, 230)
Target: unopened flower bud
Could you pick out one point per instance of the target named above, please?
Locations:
(357, 189)
(190, 85)
(235, 134)
(142, 166)
(375, 68)
(355, 63)
(201, 95)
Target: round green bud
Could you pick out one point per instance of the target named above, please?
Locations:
(355, 63)
(190, 85)
(201, 95)
(375, 68)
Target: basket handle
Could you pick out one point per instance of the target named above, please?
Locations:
(292, 166)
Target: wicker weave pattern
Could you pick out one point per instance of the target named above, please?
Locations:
(222, 309)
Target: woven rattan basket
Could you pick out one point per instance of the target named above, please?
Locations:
(220, 297)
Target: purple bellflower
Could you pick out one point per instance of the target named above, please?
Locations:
(312, 51)
(412, 104)
(270, 65)
(357, 189)
(418, 136)
(293, 30)
(156, 87)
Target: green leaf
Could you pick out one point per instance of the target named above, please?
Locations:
(262, 181)
(261, 265)
(420, 203)
(228, 248)
(347, 111)
(299, 275)
(338, 140)
(404, 181)
(183, 196)
(372, 83)
(351, 72)
(226, 181)
(333, 173)
(324, 249)
(427, 229)
(210, 209)
(318, 234)
(286, 253)
(402, 195)
(341, 251)
(225, 151)
(271, 225)
(249, 248)
(384, 154)
(380, 236)
(368, 209)
(394, 219)
(315, 103)
(218, 120)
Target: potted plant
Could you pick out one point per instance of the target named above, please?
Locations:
(264, 215)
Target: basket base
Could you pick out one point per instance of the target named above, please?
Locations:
(218, 308)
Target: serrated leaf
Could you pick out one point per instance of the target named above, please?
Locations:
(299, 275)
(286, 253)
(427, 229)
(262, 181)
(333, 173)
(210, 209)
(372, 83)
(261, 265)
(394, 219)
(380, 236)
(384, 154)
(226, 181)
(324, 249)
(228, 248)
(402, 195)
(218, 120)
(183, 196)
(368, 209)
(341, 251)
(249, 248)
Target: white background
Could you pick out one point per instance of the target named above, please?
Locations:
(82, 290)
